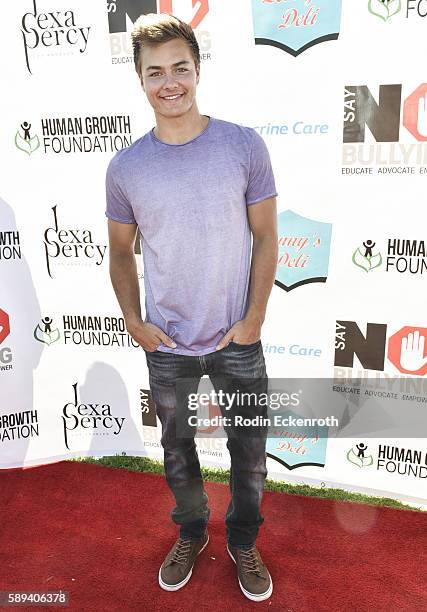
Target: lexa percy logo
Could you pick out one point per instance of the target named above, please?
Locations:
(71, 246)
(52, 32)
(84, 420)
(384, 9)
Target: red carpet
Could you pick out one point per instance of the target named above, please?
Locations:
(101, 534)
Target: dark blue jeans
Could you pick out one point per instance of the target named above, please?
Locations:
(247, 452)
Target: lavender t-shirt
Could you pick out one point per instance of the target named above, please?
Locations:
(189, 201)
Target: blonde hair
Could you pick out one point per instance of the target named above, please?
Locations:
(152, 29)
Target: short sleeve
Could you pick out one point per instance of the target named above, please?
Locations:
(118, 206)
(261, 183)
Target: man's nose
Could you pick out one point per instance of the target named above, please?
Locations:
(170, 82)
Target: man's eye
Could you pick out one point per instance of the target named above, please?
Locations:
(154, 74)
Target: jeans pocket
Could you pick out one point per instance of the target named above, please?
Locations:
(245, 346)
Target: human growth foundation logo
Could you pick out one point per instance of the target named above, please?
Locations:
(295, 25)
(122, 14)
(91, 134)
(19, 425)
(10, 246)
(387, 9)
(52, 32)
(398, 152)
(304, 246)
(85, 330)
(401, 255)
(391, 459)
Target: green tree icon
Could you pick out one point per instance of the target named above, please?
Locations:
(47, 337)
(359, 461)
(25, 143)
(385, 9)
(366, 262)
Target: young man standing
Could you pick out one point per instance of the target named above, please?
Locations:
(196, 187)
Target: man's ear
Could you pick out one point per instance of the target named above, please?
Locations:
(141, 79)
(197, 74)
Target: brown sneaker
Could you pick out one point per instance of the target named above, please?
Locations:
(254, 579)
(177, 567)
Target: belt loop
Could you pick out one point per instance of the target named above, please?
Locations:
(202, 362)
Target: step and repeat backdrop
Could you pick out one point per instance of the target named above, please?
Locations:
(338, 91)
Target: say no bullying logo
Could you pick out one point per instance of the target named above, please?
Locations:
(119, 11)
(5, 351)
(383, 119)
(385, 144)
(122, 14)
(406, 349)
(4, 326)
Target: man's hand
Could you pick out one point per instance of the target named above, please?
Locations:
(246, 331)
(148, 336)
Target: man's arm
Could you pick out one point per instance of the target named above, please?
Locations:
(263, 223)
(124, 278)
(123, 272)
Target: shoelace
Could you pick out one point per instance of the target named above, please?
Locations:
(181, 551)
(250, 561)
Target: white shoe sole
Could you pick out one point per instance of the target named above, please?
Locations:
(176, 587)
(253, 596)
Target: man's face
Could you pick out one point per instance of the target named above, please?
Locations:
(168, 70)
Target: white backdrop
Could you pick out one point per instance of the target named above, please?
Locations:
(350, 161)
